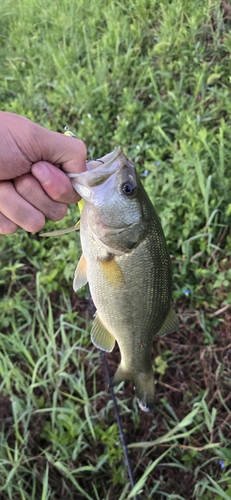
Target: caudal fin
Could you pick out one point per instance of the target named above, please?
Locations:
(144, 385)
(145, 391)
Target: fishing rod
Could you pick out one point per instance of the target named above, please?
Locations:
(122, 435)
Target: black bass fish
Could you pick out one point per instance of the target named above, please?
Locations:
(126, 262)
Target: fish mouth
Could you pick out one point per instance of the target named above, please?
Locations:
(106, 160)
(98, 172)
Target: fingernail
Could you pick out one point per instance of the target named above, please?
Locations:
(41, 172)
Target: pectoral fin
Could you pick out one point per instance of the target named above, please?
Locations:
(170, 325)
(62, 231)
(100, 336)
(80, 277)
(112, 272)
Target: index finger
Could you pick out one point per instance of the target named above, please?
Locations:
(60, 149)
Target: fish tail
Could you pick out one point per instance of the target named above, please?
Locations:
(145, 391)
(144, 385)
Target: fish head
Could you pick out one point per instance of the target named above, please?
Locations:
(111, 189)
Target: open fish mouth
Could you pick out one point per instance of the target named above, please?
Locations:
(101, 173)
(100, 170)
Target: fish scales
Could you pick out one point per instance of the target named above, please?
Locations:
(136, 295)
(127, 265)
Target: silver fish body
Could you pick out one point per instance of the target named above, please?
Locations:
(127, 264)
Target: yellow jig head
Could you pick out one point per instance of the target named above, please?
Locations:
(69, 133)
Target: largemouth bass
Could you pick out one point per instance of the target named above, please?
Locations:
(126, 262)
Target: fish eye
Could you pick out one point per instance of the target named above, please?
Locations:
(128, 189)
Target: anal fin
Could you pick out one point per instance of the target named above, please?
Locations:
(100, 335)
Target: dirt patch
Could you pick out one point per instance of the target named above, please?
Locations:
(5, 410)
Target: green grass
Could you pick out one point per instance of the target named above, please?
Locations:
(153, 77)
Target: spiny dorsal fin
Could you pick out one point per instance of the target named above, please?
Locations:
(62, 231)
(112, 272)
(170, 325)
(80, 276)
(100, 336)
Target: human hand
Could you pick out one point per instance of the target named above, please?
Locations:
(32, 187)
